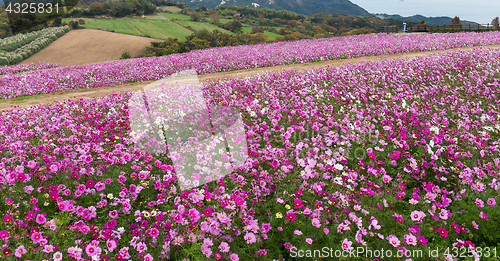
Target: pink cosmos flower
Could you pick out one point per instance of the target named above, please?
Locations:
(208, 242)
(442, 231)
(374, 223)
(386, 178)
(393, 240)
(417, 215)
(113, 214)
(316, 222)
(298, 203)
(484, 216)
(141, 247)
(290, 215)
(40, 219)
(111, 245)
(57, 256)
(326, 231)
(207, 251)
(91, 250)
(347, 245)
(492, 202)
(85, 229)
(479, 203)
(7, 219)
(444, 214)
(224, 247)
(48, 248)
(148, 257)
(20, 251)
(250, 238)
(234, 257)
(309, 240)
(410, 239)
(4, 234)
(474, 224)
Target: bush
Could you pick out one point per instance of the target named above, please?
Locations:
(73, 24)
(126, 55)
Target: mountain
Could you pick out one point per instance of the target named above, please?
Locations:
(307, 7)
(428, 20)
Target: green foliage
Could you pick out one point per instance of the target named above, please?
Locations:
(57, 21)
(233, 26)
(195, 16)
(126, 55)
(73, 24)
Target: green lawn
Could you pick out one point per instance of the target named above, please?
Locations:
(199, 26)
(271, 35)
(176, 16)
(117, 25)
(161, 29)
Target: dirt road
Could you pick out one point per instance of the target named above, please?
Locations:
(103, 91)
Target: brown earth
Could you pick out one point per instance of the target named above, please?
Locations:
(103, 91)
(83, 46)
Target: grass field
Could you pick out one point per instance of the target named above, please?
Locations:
(161, 29)
(172, 9)
(116, 25)
(271, 35)
(176, 16)
(199, 26)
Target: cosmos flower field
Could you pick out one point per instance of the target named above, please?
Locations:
(232, 58)
(399, 154)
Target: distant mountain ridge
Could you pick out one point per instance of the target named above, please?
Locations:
(307, 7)
(428, 20)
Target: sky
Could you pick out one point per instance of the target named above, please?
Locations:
(480, 11)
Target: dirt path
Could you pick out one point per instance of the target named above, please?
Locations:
(103, 91)
(83, 46)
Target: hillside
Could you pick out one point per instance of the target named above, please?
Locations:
(428, 20)
(307, 7)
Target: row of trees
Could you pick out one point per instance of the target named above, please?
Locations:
(286, 23)
(119, 8)
(204, 39)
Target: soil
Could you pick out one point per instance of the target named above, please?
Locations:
(83, 46)
(103, 91)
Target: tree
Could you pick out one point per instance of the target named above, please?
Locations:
(422, 22)
(495, 23)
(73, 24)
(233, 26)
(195, 16)
(456, 22)
(57, 21)
(257, 30)
(215, 18)
(126, 55)
(201, 8)
(70, 4)
(96, 8)
(198, 43)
